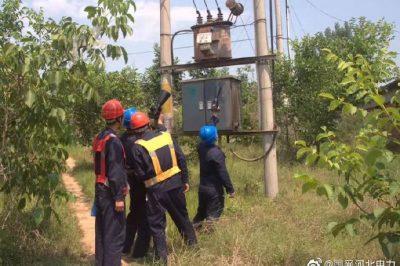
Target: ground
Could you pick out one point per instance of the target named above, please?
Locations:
(254, 230)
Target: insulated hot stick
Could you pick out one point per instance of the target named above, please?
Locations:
(155, 111)
(215, 108)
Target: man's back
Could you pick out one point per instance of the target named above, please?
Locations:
(213, 172)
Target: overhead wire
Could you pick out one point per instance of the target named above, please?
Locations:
(323, 12)
(195, 6)
(248, 36)
(242, 33)
(184, 47)
(297, 18)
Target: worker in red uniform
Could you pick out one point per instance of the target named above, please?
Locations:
(136, 221)
(161, 165)
(214, 177)
(111, 187)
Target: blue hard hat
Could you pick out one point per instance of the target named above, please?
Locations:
(209, 134)
(127, 117)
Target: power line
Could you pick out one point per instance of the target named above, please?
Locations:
(293, 29)
(248, 36)
(185, 47)
(324, 12)
(297, 18)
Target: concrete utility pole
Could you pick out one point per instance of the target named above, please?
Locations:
(166, 60)
(287, 27)
(278, 18)
(266, 100)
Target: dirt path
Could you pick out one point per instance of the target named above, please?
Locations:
(81, 208)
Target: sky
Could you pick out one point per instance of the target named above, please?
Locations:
(307, 17)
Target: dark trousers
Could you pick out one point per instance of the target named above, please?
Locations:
(137, 225)
(110, 229)
(174, 202)
(211, 205)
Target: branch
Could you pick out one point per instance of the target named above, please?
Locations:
(355, 202)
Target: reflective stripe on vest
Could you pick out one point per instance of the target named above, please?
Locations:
(152, 146)
(99, 146)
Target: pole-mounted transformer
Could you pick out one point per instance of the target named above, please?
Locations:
(212, 40)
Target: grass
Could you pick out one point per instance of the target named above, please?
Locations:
(52, 243)
(254, 230)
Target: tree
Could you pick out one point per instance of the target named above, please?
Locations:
(43, 72)
(300, 112)
(124, 85)
(249, 94)
(367, 169)
(152, 80)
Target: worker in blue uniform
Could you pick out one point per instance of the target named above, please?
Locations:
(136, 221)
(110, 189)
(161, 165)
(214, 177)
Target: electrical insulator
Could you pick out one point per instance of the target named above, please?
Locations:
(234, 7)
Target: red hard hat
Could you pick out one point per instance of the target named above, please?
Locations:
(112, 109)
(139, 119)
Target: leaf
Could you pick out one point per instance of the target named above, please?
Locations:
(30, 98)
(130, 17)
(347, 80)
(38, 215)
(300, 153)
(27, 65)
(331, 225)
(349, 109)
(379, 99)
(312, 184)
(337, 229)
(343, 200)
(324, 135)
(54, 179)
(326, 95)
(333, 105)
(21, 204)
(363, 112)
(302, 177)
(378, 212)
(56, 78)
(61, 113)
(300, 143)
(350, 229)
(311, 158)
(47, 213)
(325, 190)
(8, 48)
(91, 10)
(389, 243)
(125, 54)
(372, 155)
(394, 189)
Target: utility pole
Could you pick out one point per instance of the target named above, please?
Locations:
(279, 36)
(266, 100)
(166, 60)
(287, 27)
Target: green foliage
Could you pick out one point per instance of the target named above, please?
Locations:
(249, 90)
(124, 85)
(300, 111)
(365, 167)
(152, 80)
(43, 72)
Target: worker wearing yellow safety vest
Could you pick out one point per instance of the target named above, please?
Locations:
(161, 165)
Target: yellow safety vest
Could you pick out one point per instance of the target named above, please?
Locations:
(152, 146)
